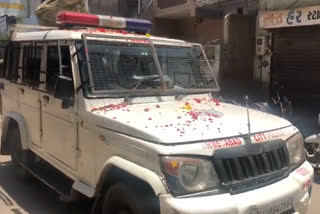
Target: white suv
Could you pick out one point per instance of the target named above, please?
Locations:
(129, 120)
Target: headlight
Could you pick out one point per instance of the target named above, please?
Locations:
(189, 175)
(295, 148)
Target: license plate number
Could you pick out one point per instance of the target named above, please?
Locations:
(275, 208)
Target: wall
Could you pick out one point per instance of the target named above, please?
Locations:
(116, 7)
(239, 37)
(104, 7)
(179, 10)
(190, 29)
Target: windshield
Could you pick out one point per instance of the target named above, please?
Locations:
(131, 67)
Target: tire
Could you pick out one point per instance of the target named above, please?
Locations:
(18, 156)
(121, 199)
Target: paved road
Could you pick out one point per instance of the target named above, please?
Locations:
(35, 198)
(32, 197)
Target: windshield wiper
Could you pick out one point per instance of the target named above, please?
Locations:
(144, 79)
(139, 82)
(180, 96)
(129, 96)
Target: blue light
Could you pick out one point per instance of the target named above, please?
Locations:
(138, 25)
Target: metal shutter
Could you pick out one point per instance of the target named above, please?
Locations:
(296, 60)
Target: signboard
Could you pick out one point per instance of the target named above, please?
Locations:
(289, 18)
(18, 8)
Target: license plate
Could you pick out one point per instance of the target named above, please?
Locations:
(275, 208)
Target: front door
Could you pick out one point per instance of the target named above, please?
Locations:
(59, 125)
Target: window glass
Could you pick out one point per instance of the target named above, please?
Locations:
(53, 65)
(12, 63)
(52, 68)
(3, 48)
(31, 65)
(127, 67)
(122, 66)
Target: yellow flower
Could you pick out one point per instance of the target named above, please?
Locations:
(187, 107)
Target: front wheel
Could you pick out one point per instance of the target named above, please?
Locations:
(121, 199)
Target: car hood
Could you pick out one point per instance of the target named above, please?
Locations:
(192, 119)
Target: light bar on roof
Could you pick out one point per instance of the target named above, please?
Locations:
(67, 18)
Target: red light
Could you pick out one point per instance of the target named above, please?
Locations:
(67, 18)
(73, 18)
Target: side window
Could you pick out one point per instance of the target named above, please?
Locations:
(12, 63)
(54, 65)
(66, 61)
(52, 68)
(3, 48)
(31, 65)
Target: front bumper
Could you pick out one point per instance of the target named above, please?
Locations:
(291, 193)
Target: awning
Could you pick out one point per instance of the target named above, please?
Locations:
(289, 18)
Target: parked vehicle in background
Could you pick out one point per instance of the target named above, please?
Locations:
(313, 149)
(129, 120)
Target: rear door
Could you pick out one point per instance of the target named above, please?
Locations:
(28, 79)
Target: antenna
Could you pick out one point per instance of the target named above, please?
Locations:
(248, 115)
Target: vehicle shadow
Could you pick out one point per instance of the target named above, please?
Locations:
(32, 196)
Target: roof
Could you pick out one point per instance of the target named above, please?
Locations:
(65, 34)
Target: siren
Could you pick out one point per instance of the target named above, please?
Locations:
(67, 18)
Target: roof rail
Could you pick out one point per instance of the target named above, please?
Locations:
(31, 28)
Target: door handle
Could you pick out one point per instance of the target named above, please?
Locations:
(46, 98)
(21, 91)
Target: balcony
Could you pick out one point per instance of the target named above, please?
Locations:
(174, 9)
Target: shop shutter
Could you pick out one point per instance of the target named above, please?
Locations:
(296, 60)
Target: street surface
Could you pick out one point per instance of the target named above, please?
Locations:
(32, 197)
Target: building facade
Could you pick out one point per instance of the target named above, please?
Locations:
(24, 10)
(291, 30)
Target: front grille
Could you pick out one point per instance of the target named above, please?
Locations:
(249, 170)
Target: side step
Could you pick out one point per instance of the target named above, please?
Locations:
(50, 176)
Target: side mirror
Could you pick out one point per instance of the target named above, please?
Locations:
(313, 139)
(65, 91)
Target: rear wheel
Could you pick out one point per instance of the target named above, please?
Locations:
(19, 157)
(122, 199)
